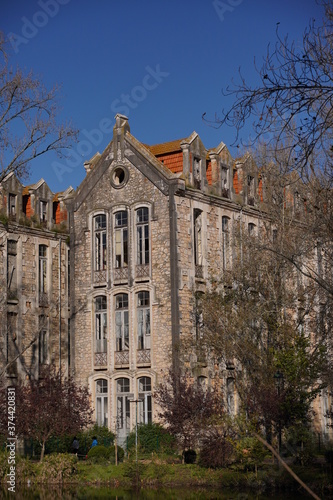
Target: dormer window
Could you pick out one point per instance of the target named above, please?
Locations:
(225, 182)
(197, 172)
(250, 190)
(43, 211)
(12, 205)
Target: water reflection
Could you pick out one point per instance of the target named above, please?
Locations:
(100, 492)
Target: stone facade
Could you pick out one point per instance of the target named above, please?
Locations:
(148, 227)
(34, 278)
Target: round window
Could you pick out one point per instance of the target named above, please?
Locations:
(119, 177)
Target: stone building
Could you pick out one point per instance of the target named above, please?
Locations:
(148, 227)
(34, 278)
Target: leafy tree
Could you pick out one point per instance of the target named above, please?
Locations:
(187, 409)
(49, 406)
(255, 317)
(28, 118)
(152, 438)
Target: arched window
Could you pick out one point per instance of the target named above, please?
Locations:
(101, 327)
(143, 320)
(121, 318)
(202, 382)
(121, 239)
(102, 402)
(142, 236)
(145, 405)
(123, 406)
(100, 242)
(251, 229)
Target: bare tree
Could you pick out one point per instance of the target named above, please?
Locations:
(186, 408)
(48, 406)
(28, 119)
(291, 107)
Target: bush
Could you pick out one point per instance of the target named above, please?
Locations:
(250, 452)
(103, 435)
(190, 456)
(152, 438)
(102, 454)
(57, 467)
(216, 450)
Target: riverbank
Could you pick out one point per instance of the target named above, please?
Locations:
(67, 470)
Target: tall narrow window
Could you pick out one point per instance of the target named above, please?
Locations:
(122, 330)
(43, 211)
(12, 205)
(251, 229)
(225, 242)
(100, 324)
(99, 242)
(123, 407)
(121, 237)
(145, 405)
(43, 342)
(143, 318)
(12, 269)
(102, 402)
(231, 396)
(142, 236)
(42, 278)
(198, 259)
(225, 182)
(197, 172)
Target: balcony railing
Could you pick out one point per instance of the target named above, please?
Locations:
(143, 356)
(100, 276)
(142, 271)
(121, 358)
(121, 274)
(101, 359)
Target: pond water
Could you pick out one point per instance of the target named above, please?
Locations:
(101, 492)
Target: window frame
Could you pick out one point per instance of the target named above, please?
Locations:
(99, 243)
(121, 322)
(143, 239)
(144, 331)
(121, 240)
(102, 396)
(101, 324)
(145, 414)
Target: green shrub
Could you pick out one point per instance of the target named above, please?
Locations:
(152, 438)
(103, 435)
(250, 453)
(57, 467)
(101, 454)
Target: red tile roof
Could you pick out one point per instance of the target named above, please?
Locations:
(165, 147)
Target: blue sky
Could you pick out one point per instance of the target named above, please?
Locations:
(163, 62)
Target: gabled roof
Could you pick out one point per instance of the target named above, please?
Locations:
(165, 147)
